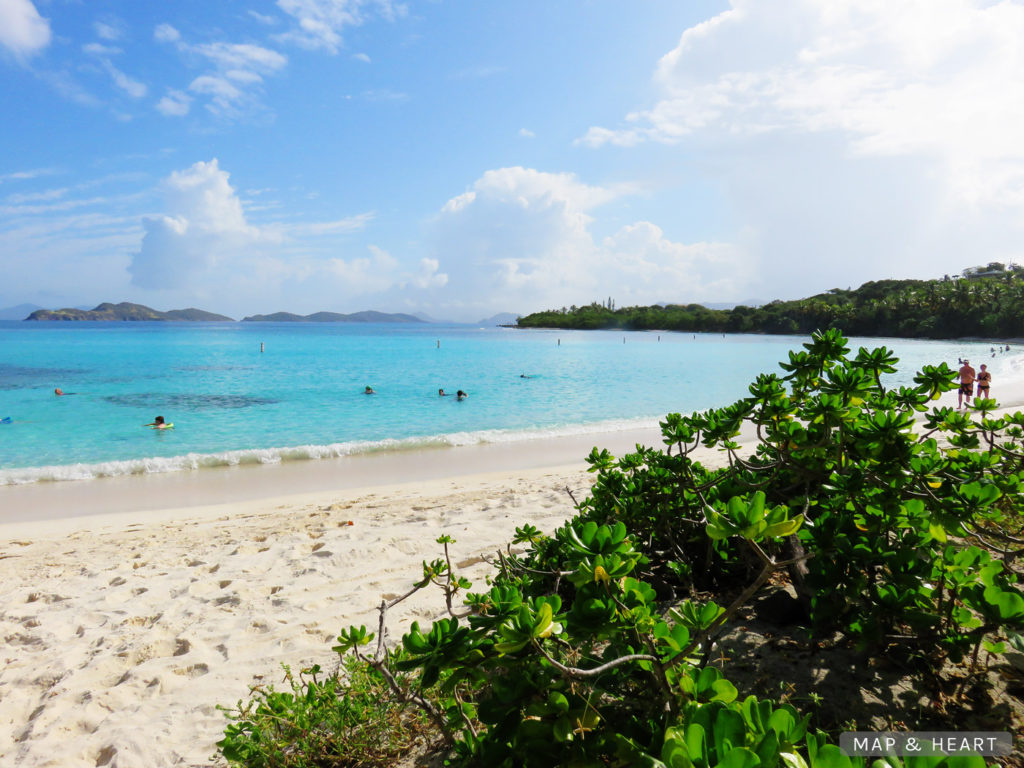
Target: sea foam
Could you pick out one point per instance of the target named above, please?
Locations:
(255, 456)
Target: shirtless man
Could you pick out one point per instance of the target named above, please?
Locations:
(984, 381)
(966, 384)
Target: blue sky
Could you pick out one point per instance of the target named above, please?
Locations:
(461, 158)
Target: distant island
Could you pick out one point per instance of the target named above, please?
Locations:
(126, 311)
(983, 302)
(368, 316)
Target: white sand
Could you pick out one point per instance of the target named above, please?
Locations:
(122, 632)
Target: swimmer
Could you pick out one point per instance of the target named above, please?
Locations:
(58, 392)
(460, 395)
(159, 423)
(524, 376)
(369, 390)
(442, 393)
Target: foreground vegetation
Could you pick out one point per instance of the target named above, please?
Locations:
(595, 646)
(986, 301)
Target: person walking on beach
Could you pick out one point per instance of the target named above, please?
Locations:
(984, 381)
(966, 384)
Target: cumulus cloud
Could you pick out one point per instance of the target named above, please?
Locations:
(23, 32)
(204, 247)
(319, 23)
(205, 224)
(867, 138)
(527, 237)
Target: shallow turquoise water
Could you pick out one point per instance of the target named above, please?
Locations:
(302, 397)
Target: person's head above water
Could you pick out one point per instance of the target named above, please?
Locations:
(158, 420)
(440, 392)
(58, 391)
(369, 390)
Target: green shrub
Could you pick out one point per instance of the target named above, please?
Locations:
(591, 649)
(334, 720)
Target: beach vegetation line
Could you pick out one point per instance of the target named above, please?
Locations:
(894, 523)
(983, 302)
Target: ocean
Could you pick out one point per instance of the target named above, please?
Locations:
(302, 397)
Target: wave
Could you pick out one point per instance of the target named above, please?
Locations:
(254, 456)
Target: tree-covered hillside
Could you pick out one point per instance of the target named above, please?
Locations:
(983, 301)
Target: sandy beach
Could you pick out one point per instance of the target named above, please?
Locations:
(130, 608)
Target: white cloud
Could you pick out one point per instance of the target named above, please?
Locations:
(361, 57)
(32, 197)
(174, 104)
(205, 224)
(98, 49)
(340, 226)
(165, 33)
(132, 87)
(242, 56)
(526, 133)
(234, 84)
(106, 31)
(864, 137)
(263, 18)
(319, 23)
(26, 175)
(203, 246)
(23, 31)
(527, 236)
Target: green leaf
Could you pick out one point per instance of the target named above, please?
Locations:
(831, 756)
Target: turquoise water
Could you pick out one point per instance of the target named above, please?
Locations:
(302, 397)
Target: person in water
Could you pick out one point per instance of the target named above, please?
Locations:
(369, 390)
(159, 423)
(442, 393)
(460, 395)
(984, 381)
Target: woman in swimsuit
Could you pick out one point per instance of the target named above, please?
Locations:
(984, 381)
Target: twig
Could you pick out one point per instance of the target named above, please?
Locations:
(581, 674)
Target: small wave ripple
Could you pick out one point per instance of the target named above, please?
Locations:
(255, 456)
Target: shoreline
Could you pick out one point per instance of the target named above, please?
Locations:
(33, 506)
(66, 505)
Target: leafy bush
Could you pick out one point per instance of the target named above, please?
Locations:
(896, 529)
(336, 720)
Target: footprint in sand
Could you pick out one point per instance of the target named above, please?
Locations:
(193, 670)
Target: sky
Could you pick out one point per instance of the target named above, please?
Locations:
(461, 158)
